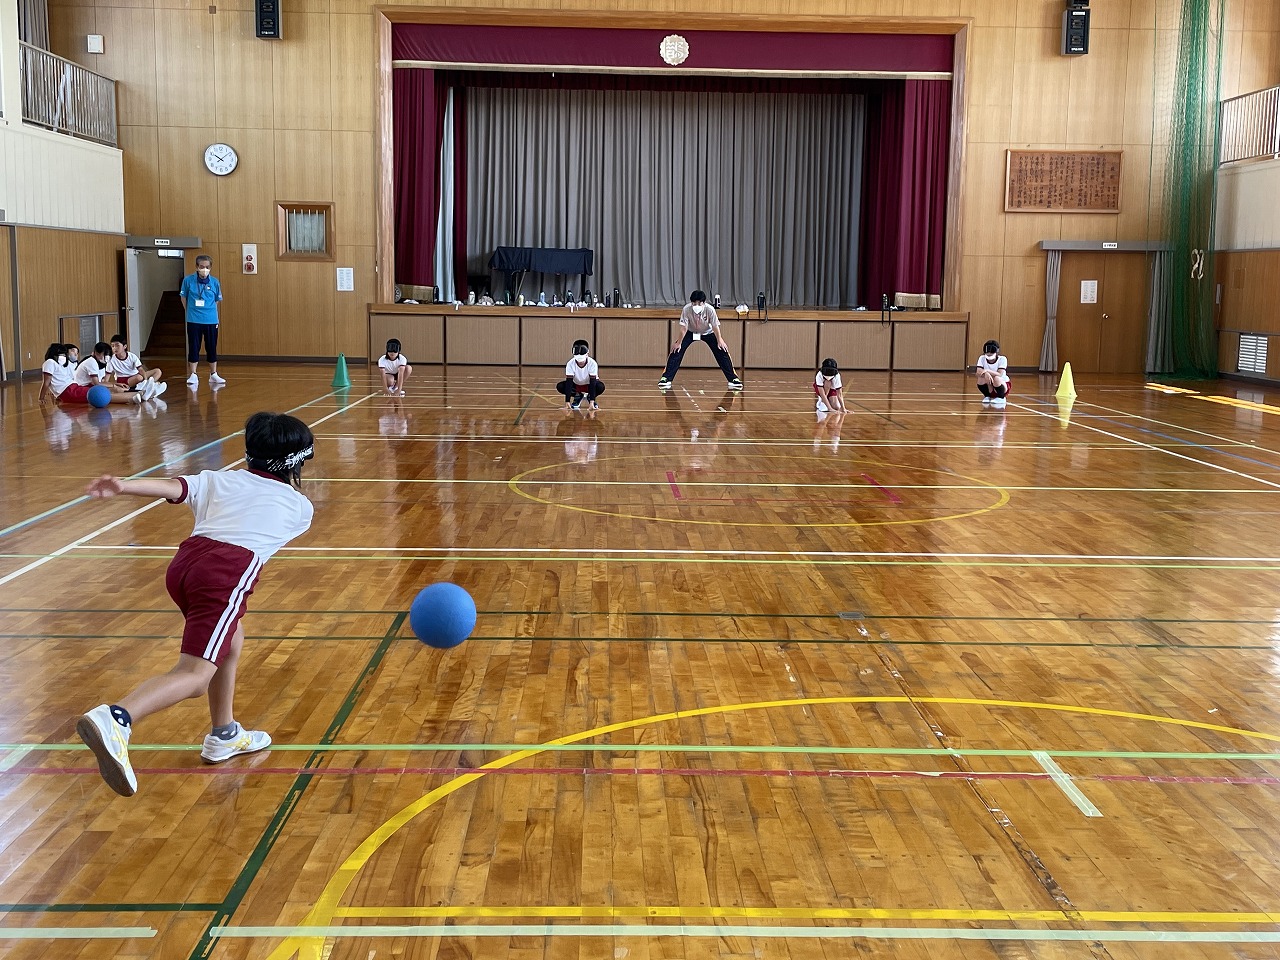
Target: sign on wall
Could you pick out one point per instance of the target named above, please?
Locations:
(1062, 181)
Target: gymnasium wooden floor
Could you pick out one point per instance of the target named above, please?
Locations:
(936, 681)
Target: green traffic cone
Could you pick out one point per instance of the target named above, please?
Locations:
(341, 380)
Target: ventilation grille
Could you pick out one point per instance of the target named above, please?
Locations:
(1253, 354)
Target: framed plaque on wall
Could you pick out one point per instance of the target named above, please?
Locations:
(1062, 181)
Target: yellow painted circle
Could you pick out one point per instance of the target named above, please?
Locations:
(1002, 496)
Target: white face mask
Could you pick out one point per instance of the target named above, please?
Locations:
(698, 308)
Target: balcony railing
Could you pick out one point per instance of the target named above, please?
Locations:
(65, 97)
(1250, 128)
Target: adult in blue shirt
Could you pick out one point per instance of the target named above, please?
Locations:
(201, 293)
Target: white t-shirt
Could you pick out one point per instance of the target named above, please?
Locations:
(702, 323)
(130, 366)
(584, 374)
(258, 513)
(88, 372)
(997, 366)
(60, 376)
(833, 384)
(392, 366)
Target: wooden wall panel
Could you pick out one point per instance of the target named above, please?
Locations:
(982, 279)
(984, 217)
(302, 80)
(633, 342)
(548, 341)
(349, 307)
(478, 339)
(129, 58)
(60, 273)
(184, 67)
(188, 196)
(782, 345)
(140, 151)
(1098, 89)
(698, 356)
(991, 69)
(1250, 290)
(304, 170)
(249, 312)
(10, 363)
(353, 182)
(929, 346)
(304, 309)
(247, 197)
(242, 64)
(1041, 85)
(354, 57)
(856, 344)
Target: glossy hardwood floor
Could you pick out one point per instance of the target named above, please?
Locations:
(932, 680)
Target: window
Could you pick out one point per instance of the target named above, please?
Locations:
(1253, 354)
(304, 231)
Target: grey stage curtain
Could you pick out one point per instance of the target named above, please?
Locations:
(33, 23)
(733, 193)
(1052, 280)
(1160, 317)
(444, 225)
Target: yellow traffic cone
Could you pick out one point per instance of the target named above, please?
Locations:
(1067, 385)
(341, 380)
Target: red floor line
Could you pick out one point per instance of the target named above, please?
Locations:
(675, 489)
(893, 497)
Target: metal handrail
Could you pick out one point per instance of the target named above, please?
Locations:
(1250, 127)
(64, 97)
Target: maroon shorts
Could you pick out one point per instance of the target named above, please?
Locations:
(210, 581)
(74, 393)
(832, 392)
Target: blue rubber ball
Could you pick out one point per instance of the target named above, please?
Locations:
(99, 396)
(442, 615)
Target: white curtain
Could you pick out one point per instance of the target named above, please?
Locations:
(728, 192)
(1052, 280)
(444, 223)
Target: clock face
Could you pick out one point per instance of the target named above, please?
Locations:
(220, 159)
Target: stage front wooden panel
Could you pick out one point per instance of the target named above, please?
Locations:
(624, 341)
(548, 341)
(929, 346)
(782, 344)
(856, 344)
(421, 338)
(482, 340)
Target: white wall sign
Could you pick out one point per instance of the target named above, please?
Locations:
(1088, 291)
(248, 258)
(346, 278)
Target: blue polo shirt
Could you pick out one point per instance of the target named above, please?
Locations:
(210, 291)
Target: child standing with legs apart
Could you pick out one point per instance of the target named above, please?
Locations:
(395, 369)
(827, 387)
(581, 379)
(242, 518)
(993, 378)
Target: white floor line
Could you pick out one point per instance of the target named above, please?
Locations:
(1177, 426)
(664, 551)
(1064, 783)
(1149, 446)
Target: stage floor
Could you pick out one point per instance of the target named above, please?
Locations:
(931, 680)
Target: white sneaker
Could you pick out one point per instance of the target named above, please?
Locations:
(110, 744)
(148, 389)
(193, 381)
(160, 388)
(216, 750)
(214, 378)
(998, 403)
(986, 401)
(402, 393)
(822, 407)
(734, 384)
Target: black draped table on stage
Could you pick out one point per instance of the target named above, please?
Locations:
(517, 261)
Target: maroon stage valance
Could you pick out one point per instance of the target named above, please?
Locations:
(708, 49)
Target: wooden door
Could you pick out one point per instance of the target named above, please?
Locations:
(1124, 296)
(1080, 324)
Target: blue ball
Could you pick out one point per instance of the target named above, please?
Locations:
(99, 396)
(442, 615)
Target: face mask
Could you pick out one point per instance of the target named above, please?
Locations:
(698, 309)
(62, 359)
(203, 272)
(992, 356)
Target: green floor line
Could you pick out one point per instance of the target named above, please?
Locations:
(249, 872)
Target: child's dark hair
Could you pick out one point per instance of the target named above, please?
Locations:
(393, 345)
(278, 444)
(991, 346)
(55, 351)
(102, 347)
(581, 348)
(68, 347)
(120, 339)
(697, 297)
(829, 368)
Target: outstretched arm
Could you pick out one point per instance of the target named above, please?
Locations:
(108, 486)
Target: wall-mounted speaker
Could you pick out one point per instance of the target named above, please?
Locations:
(268, 19)
(1075, 31)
